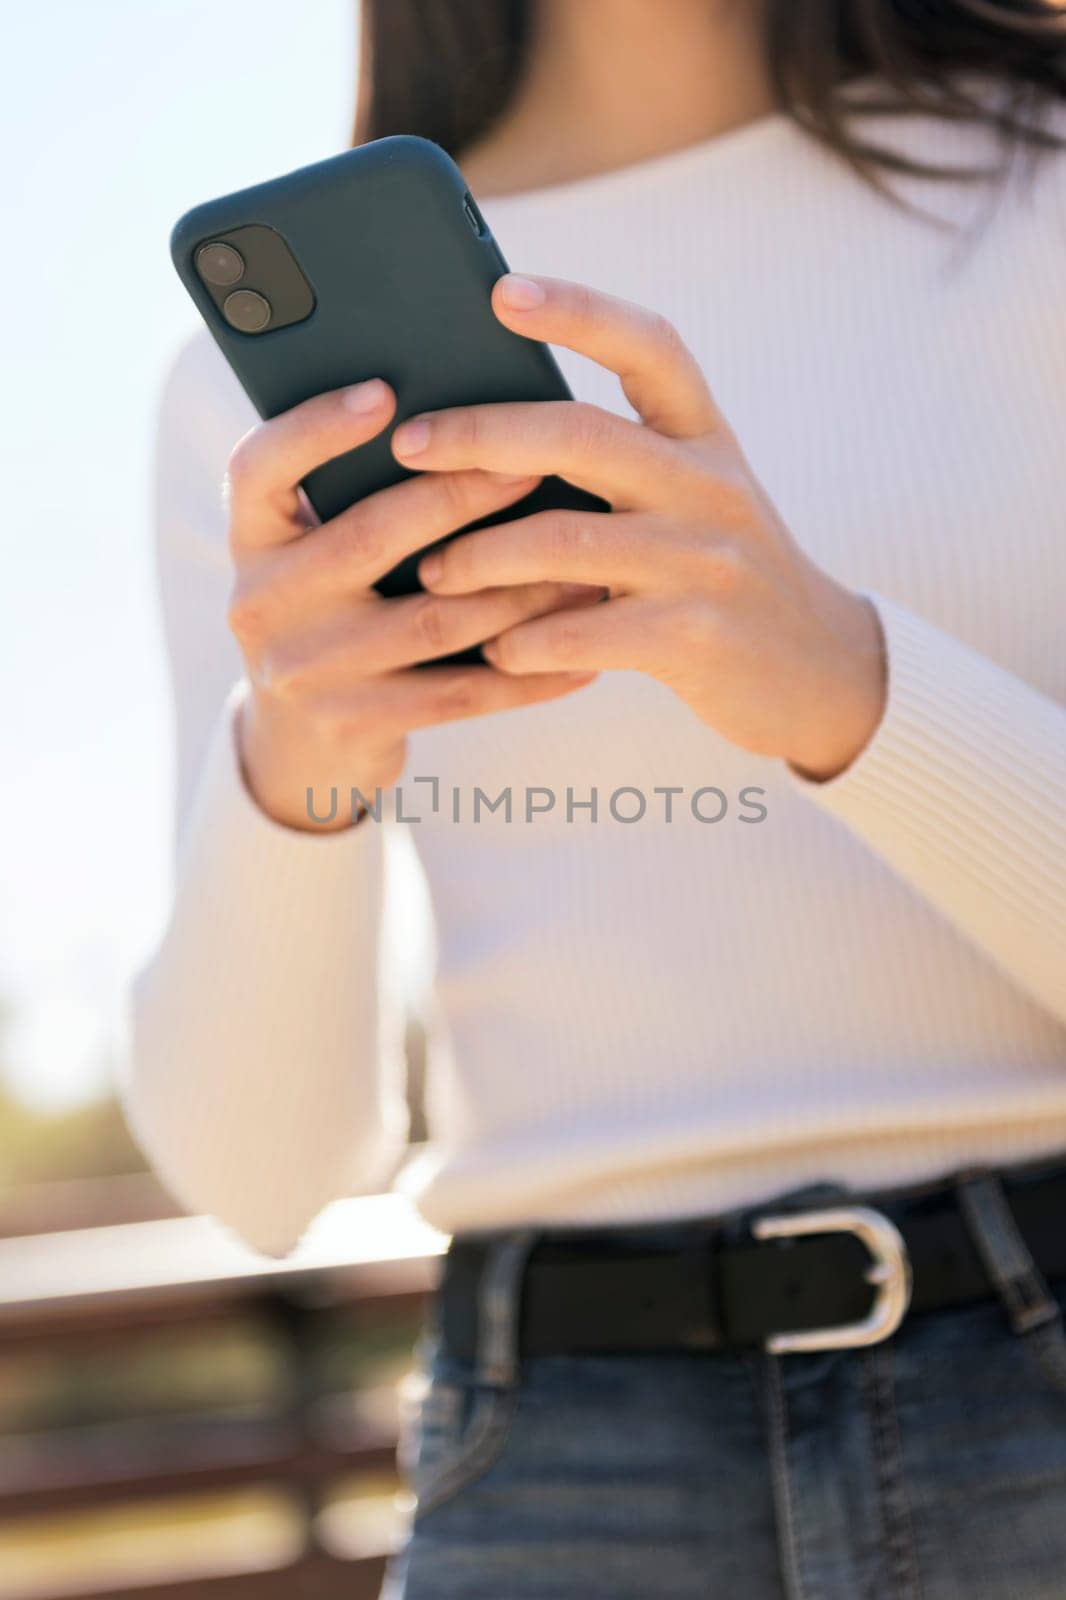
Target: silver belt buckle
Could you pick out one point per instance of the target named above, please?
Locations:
(889, 1271)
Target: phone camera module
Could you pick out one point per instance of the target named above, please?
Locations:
(252, 279)
(246, 311)
(219, 264)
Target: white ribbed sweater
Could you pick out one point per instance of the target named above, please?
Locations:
(657, 1019)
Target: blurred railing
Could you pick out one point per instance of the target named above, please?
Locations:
(81, 1301)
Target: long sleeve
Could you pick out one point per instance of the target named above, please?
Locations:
(962, 791)
(265, 1077)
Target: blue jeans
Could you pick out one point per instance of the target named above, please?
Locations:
(928, 1467)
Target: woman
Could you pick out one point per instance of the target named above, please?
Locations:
(772, 940)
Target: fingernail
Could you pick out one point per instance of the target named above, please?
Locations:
(431, 568)
(411, 437)
(581, 591)
(521, 294)
(364, 397)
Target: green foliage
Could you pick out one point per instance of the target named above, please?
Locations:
(87, 1141)
(90, 1141)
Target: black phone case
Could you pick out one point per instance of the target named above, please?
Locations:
(401, 266)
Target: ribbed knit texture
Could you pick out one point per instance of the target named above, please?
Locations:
(654, 1018)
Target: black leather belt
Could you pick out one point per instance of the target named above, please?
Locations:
(787, 1277)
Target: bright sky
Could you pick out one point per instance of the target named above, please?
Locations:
(116, 117)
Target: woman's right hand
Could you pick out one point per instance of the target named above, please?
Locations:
(333, 689)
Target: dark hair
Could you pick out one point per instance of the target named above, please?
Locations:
(446, 69)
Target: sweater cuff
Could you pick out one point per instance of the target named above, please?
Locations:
(954, 747)
(232, 840)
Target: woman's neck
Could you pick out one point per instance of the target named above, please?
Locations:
(612, 82)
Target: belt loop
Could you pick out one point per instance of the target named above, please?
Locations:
(498, 1305)
(1005, 1254)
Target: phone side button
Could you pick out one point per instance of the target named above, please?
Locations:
(473, 216)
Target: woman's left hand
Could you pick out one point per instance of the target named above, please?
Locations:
(707, 591)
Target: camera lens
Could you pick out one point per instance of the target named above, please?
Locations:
(246, 311)
(219, 264)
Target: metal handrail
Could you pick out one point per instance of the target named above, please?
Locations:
(65, 1289)
(43, 1274)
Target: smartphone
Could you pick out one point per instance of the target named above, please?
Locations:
(373, 264)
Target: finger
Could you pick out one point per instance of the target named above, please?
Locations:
(362, 544)
(619, 635)
(391, 634)
(267, 465)
(427, 696)
(626, 551)
(661, 377)
(626, 463)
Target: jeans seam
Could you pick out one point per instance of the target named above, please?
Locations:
(878, 1381)
(496, 1371)
(480, 1450)
(790, 1539)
